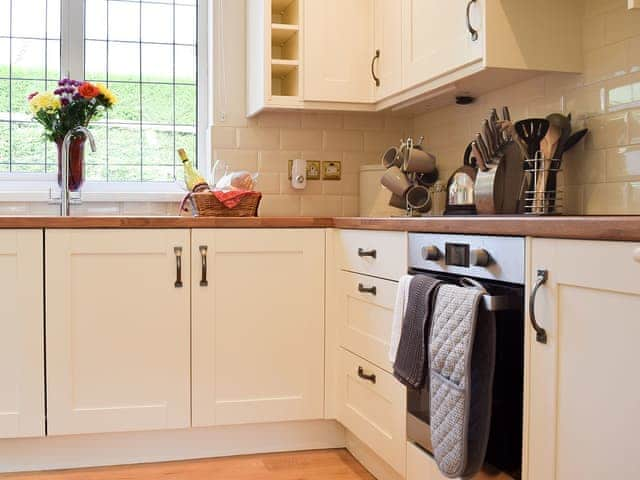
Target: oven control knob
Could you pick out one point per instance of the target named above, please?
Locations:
(479, 257)
(431, 253)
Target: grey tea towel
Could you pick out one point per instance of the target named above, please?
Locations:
(462, 359)
(410, 366)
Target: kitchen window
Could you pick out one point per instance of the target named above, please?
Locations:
(150, 53)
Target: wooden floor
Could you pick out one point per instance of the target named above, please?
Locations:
(313, 465)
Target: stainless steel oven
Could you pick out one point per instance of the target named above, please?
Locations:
(498, 264)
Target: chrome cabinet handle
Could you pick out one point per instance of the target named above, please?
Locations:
(372, 290)
(370, 378)
(203, 257)
(541, 334)
(373, 72)
(178, 253)
(367, 253)
(472, 31)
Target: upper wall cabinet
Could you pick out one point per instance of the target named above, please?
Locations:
(21, 334)
(371, 55)
(437, 39)
(338, 42)
(118, 324)
(386, 65)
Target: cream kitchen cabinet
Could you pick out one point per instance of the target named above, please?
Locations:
(338, 42)
(387, 47)
(117, 330)
(583, 391)
(258, 325)
(21, 334)
(469, 47)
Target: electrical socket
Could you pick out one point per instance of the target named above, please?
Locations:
(331, 170)
(312, 167)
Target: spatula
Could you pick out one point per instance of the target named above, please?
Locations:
(532, 131)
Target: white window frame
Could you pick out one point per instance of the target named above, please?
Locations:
(26, 187)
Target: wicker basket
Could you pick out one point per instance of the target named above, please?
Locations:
(205, 204)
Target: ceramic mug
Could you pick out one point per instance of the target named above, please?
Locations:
(396, 181)
(418, 161)
(397, 201)
(391, 157)
(419, 198)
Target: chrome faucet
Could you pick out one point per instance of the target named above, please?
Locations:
(66, 144)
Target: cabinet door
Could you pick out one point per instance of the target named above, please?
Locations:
(388, 40)
(436, 40)
(583, 388)
(117, 330)
(338, 49)
(258, 326)
(21, 334)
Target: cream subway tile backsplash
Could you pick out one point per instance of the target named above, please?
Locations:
(343, 141)
(238, 159)
(322, 120)
(321, 205)
(623, 164)
(602, 175)
(224, 137)
(364, 122)
(258, 138)
(350, 206)
(299, 139)
(279, 120)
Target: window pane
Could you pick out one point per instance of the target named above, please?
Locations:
(20, 89)
(124, 61)
(157, 63)
(29, 61)
(27, 58)
(154, 111)
(95, 19)
(95, 63)
(128, 107)
(27, 147)
(157, 23)
(154, 80)
(124, 20)
(29, 18)
(5, 21)
(185, 25)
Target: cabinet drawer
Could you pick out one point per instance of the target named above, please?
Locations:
(372, 405)
(383, 254)
(366, 315)
(420, 465)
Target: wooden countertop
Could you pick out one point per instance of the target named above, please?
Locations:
(588, 227)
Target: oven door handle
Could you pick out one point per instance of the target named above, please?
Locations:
(492, 303)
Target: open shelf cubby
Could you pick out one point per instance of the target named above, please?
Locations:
(284, 42)
(285, 11)
(285, 84)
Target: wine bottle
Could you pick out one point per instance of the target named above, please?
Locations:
(192, 178)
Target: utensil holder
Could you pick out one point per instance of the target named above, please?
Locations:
(541, 196)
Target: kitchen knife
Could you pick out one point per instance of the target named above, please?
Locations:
(481, 162)
(483, 148)
(489, 139)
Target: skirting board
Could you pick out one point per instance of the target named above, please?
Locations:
(372, 462)
(54, 453)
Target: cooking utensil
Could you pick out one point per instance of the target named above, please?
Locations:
(489, 185)
(573, 140)
(484, 150)
(489, 140)
(419, 161)
(506, 117)
(460, 188)
(563, 123)
(419, 198)
(506, 114)
(493, 124)
(532, 131)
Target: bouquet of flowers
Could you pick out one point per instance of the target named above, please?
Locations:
(72, 104)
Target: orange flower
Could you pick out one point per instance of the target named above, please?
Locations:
(88, 90)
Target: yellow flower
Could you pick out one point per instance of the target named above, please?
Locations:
(46, 101)
(107, 94)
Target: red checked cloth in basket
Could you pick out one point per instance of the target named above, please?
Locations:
(232, 198)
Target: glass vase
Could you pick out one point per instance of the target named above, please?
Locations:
(76, 163)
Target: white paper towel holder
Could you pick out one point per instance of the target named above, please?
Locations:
(299, 174)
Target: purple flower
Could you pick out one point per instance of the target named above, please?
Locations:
(77, 96)
(57, 91)
(64, 101)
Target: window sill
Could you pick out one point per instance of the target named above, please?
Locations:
(39, 191)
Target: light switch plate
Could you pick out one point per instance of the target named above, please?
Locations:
(331, 170)
(313, 169)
